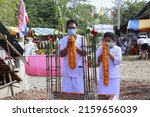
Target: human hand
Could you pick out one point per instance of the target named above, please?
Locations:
(71, 40)
(100, 58)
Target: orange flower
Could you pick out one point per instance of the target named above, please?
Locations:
(72, 52)
(105, 63)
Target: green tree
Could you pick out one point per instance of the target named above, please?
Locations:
(9, 12)
(129, 9)
(102, 18)
(50, 13)
(42, 13)
(74, 9)
(83, 13)
(62, 13)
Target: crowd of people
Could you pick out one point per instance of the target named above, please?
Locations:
(135, 45)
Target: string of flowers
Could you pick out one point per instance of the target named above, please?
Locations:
(72, 52)
(105, 63)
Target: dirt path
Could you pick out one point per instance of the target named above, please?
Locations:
(139, 70)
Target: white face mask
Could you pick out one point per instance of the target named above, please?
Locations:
(72, 31)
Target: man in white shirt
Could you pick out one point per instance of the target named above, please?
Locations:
(142, 42)
(114, 60)
(72, 78)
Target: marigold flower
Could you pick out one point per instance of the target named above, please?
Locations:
(105, 63)
(72, 52)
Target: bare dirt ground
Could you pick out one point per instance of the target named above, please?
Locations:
(135, 90)
(135, 80)
(135, 83)
(130, 90)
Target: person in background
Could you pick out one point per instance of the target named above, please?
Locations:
(114, 59)
(72, 50)
(30, 47)
(143, 45)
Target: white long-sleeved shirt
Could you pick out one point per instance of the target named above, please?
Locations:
(67, 71)
(141, 41)
(114, 67)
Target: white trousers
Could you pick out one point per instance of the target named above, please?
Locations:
(73, 84)
(113, 88)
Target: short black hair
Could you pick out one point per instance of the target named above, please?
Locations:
(71, 21)
(109, 34)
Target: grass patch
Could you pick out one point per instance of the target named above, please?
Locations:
(130, 57)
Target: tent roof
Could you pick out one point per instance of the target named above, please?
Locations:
(44, 31)
(12, 30)
(142, 25)
(142, 14)
(38, 31)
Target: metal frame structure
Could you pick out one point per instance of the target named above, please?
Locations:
(54, 90)
(53, 82)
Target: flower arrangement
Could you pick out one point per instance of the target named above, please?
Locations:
(105, 63)
(46, 45)
(51, 44)
(72, 52)
(93, 38)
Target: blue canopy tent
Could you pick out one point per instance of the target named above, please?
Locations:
(142, 25)
(38, 31)
(45, 31)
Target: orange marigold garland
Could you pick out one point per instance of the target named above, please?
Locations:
(105, 63)
(72, 52)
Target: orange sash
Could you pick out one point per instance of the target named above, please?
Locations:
(105, 63)
(72, 52)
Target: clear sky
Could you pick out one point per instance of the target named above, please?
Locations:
(102, 3)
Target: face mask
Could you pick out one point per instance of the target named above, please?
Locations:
(111, 44)
(71, 31)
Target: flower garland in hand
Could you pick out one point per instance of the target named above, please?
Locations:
(105, 63)
(72, 52)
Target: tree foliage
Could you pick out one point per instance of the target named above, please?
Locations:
(42, 13)
(55, 13)
(49, 13)
(9, 12)
(128, 10)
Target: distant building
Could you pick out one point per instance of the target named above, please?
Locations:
(102, 28)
